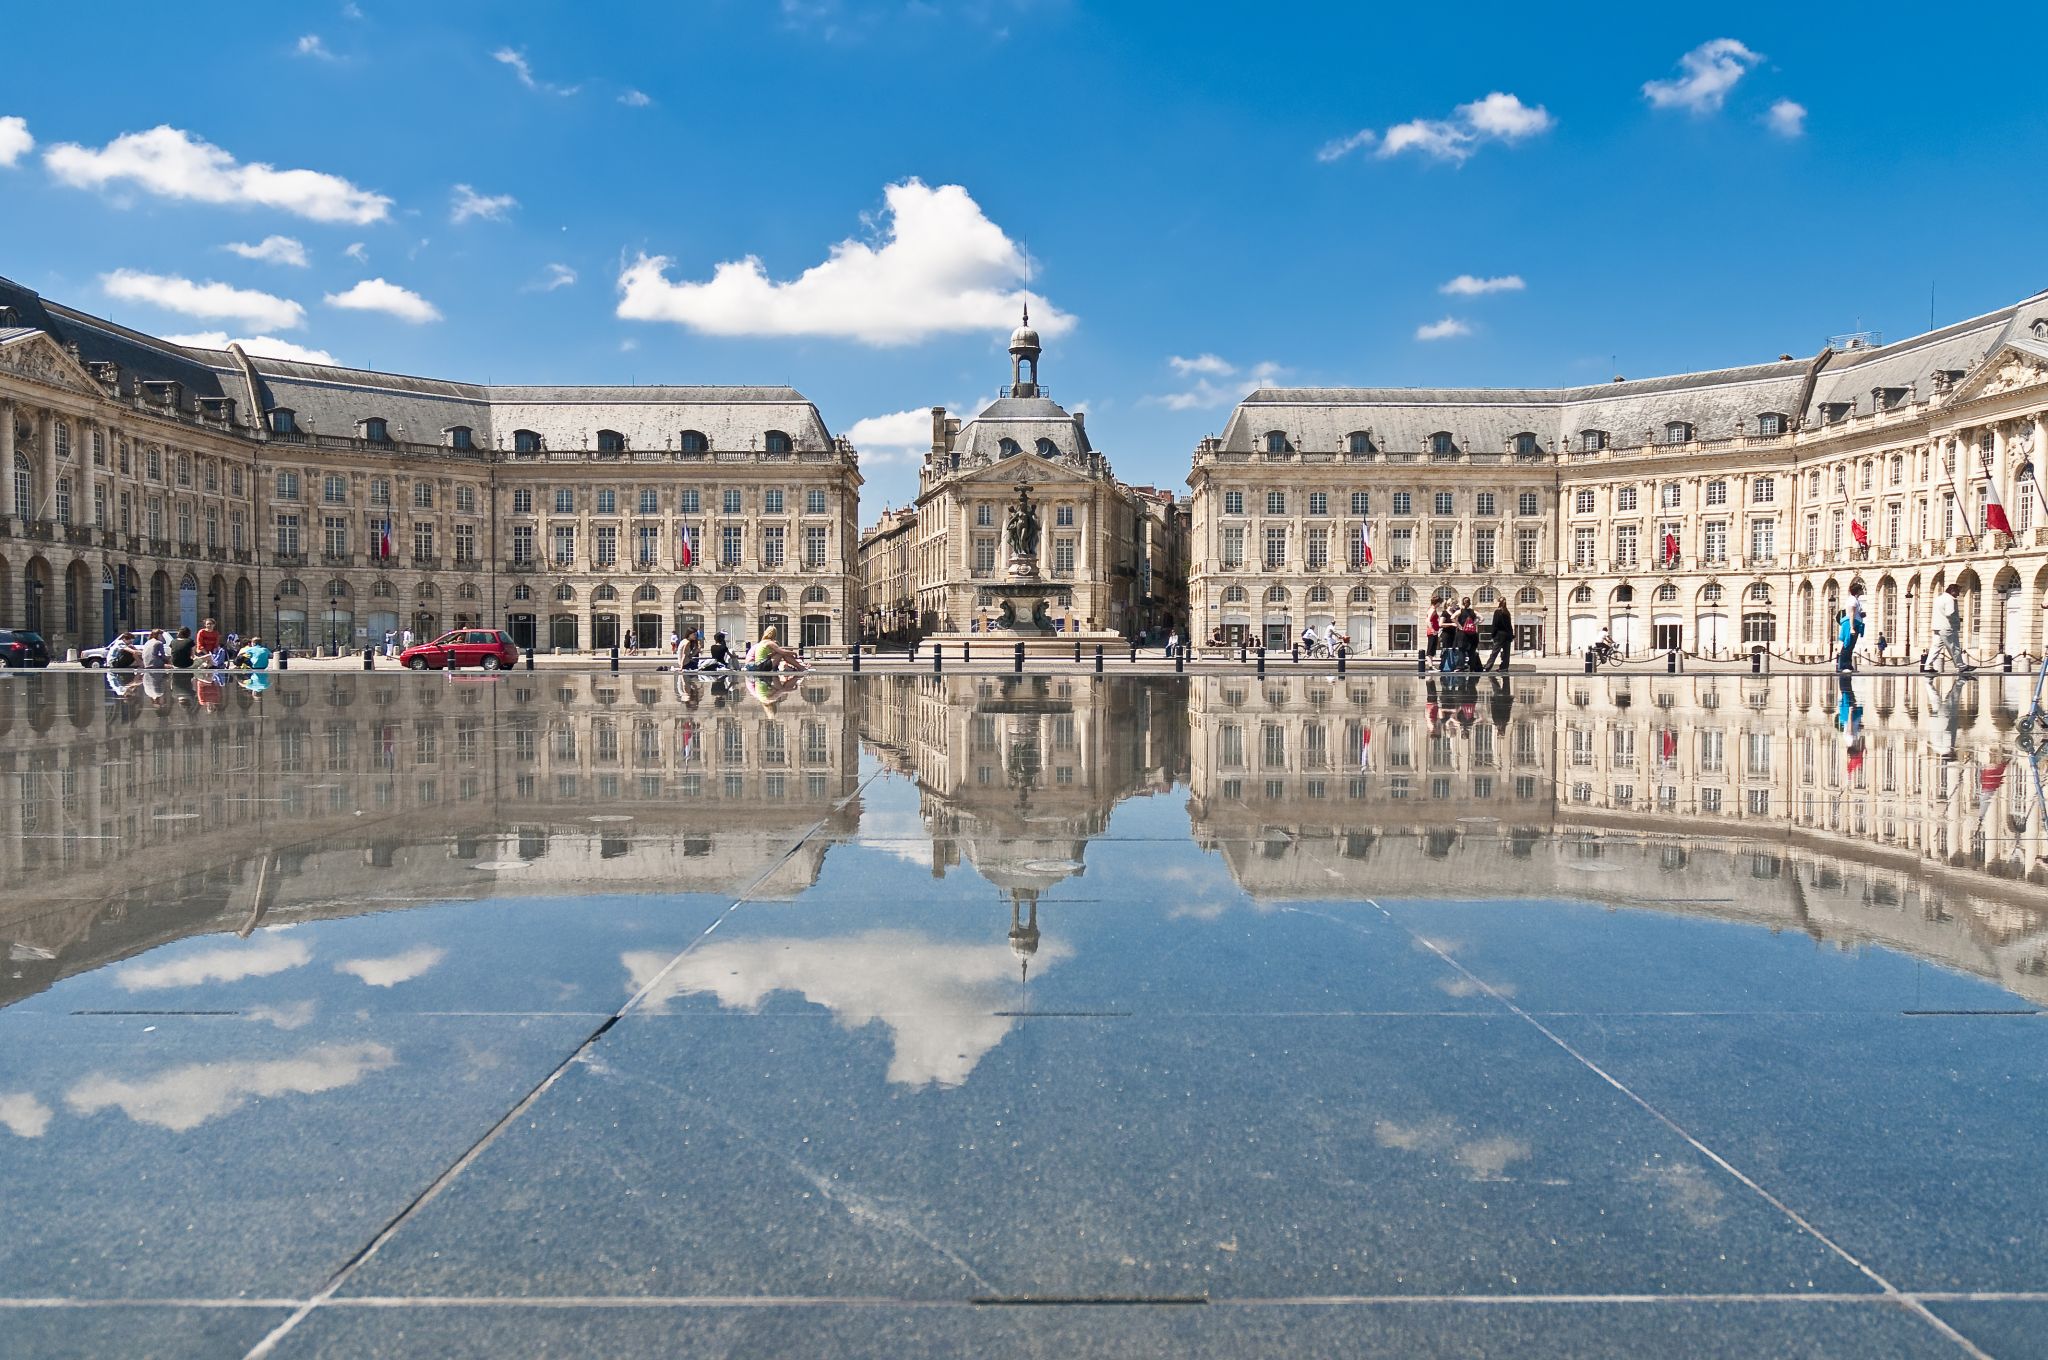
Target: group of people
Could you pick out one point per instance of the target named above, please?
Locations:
(1453, 637)
(766, 656)
(185, 650)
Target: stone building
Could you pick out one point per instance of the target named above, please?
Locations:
(153, 484)
(1709, 512)
(1092, 540)
(886, 566)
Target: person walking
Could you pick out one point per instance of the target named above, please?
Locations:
(1851, 631)
(1503, 635)
(391, 642)
(1947, 641)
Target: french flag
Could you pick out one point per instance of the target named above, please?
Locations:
(1994, 511)
(1670, 546)
(686, 551)
(384, 538)
(1365, 544)
(1859, 533)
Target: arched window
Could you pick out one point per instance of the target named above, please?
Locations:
(693, 441)
(337, 589)
(610, 441)
(1007, 447)
(383, 590)
(565, 593)
(1358, 441)
(1666, 593)
(375, 429)
(522, 592)
(290, 586)
(1276, 595)
(1404, 594)
(1529, 595)
(1441, 443)
(1760, 593)
(1484, 595)
(427, 592)
(24, 488)
(466, 591)
(1770, 423)
(605, 593)
(771, 595)
(645, 594)
(1711, 593)
(1318, 594)
(460, 437)
(1048, 449)
(777, 442)
(1525, 444)
(688, 595)
(816, 595)
(730, 595)
(1677, 432)
(1361, 594)
(1583, 595)
(1236, 595)
(527, 441)
(284, 420)
(1276, 441)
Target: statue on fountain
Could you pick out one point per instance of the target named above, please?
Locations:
(1023, 536)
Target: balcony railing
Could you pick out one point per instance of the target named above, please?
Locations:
(288, 559)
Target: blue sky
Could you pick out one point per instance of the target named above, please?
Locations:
(1209, 195)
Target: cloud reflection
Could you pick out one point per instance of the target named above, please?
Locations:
(937, 999)
(268, 953)
(389, 972)
(186, 1097)
(22, 1115)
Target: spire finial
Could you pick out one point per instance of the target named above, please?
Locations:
(1027, 311)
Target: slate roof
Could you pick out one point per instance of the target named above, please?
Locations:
(1024, 419)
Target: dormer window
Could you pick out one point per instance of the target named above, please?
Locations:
(610, 441)
(1008, 448)
(1276, 441)
(1889, 398)
(1525, 444)
(1834, 411)
(1677, 432)
(527, 441)
(693, 441)
(375, 430)
(1592, 441)
(1441, 444)
(777, 442)
(1770, 424)
(2040, 328)
(460, 437)
(219, 408)
(1359, 442)
(284, 420)
(1048, 449)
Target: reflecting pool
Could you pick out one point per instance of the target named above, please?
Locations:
(573, 1013)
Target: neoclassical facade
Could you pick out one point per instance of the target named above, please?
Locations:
(152, 484)
(1093, 540)
(1709, 512)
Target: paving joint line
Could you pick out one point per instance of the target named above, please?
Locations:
(269, 1342)
(1891, 1291)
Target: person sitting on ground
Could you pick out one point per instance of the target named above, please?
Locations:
(254, 654)
(770, 655)
(208, 639)
(722, 658)
(181, 649)
(689, 650)
(156, 653)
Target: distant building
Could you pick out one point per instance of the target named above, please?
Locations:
(154, 484)
(1709, 512)
(887, 571)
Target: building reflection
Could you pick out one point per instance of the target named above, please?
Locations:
(1896, 814)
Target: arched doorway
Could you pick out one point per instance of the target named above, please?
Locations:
(36, 597)
(159, 601)
(188, 602)
(1623, 619)
(562, 632)
(647, 617)
(1710, 620)
(244, 599)
(216, 598)
(79, 626)
(110, 606)
(2013, 633)
(732, 614)
(815, 625)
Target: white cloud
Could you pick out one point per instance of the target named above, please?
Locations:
(270, 250)
(516, 59)
(1711, 70)
(1498, 117)
(941, 266)
(261, 957)
(394, 970)
(555, 276)
(375, 295)
(291, 1015)
(357, 251)
(186, 1097)
(351, 10)
(936, 998)
(468, 203)
(1786, 118)
(1445, 329)
(1484, 1159)
(1218, 382)
(1469, 285)
(635, 99)
(904, 436)
(208, 300)
(172, 163)
(267, 345)
(22, 1115)
(15, 141)
(312, 46)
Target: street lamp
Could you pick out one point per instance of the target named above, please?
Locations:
(35, 605)
(275, 639)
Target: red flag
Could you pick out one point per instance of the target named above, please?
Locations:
(1859, 533)
(1365, 543)
(687, 555)
(384, 539)
(1994, 511)
(1670, 546)
(1992, 777)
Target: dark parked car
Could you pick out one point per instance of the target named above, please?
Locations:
(19, 647)
(486, 648)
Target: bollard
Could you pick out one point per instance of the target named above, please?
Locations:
(1297, 653)
(1240, 653)
(1018, 659)
(2008, 663)
(1422, 661)
(1590, 663)
(1342, 652)
(1134, 654)
(1077, 651)
(938, 657)
(284, 658)
(369, 659)
(1098, 658)
(615, 658)
(1756, 662)
(1671, 662)
(1262, 663)
(856, 658)
(966, 653)
(1180, 660)
(529, 658)
(454, 660)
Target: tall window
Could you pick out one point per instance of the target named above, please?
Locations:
(1063, 555)
(1233, 548)
(1482, 549)
(731, 501)
(1714, 546)
(334, 535)
(1763, 539)
(1404, 503)
(1401, 549)
(423, 540)
(1624, 499)
(606, 545)
(688, 502)
(607, 502)
(288, 535)
(63, 498)
(565, 545)
(1583, 547)
(1526, 543)
(1318, 549)
(1361, 502)
(1717, 492)
(729, 541)
(1763, 491)
(1276, 548)
(522, 543)
(1483, 504)
(1443, 544)
(1625, 545)
(380, 493)
(814, 501)
(1319, 502)
(1582, 502)
(1527, 503)
(287, 486)
(1063, 517)
(1233, 502)
(771, 546)
(334, 488)
(985, 556)
(99, 507)
(646, 544)
(814, 545)
(465, 543)
(1276, 502)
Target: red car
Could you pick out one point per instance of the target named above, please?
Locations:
(479, 648)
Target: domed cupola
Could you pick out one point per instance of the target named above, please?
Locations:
(1024, 350)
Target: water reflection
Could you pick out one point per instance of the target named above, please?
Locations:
(1887, 811)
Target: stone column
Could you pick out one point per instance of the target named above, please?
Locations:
(7, 456)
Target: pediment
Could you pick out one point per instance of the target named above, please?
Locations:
(40, 359)
(2013, 365)
(1026, 468)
